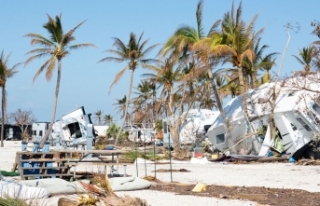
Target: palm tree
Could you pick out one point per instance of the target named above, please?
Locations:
(98, 115)
(266, 77)
(57, 46)
(134, 53)
(121, 106)
(166, 75)
(142, 108)
(187, 40)
(259, 62)
(108, 119)
(5, 73)
(305, 57)
(240, 38)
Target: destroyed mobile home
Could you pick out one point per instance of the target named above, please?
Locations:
(295, 118)
(73, 128)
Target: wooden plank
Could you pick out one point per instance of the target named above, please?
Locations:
(94, 151)
(41, 168)
(49, 175)
(43, 160)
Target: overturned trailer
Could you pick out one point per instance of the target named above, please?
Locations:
(73, 128)
(296, 114)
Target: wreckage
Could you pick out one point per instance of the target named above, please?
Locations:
(195, 124)
(73, 128)
(296, 114)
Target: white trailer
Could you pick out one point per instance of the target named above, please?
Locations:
(72, 128)
(296, 116)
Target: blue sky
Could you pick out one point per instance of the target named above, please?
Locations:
(85, 82)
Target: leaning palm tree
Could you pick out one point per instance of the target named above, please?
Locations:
(134, 53)
(98, 115)
(5, 73)
(57, 46)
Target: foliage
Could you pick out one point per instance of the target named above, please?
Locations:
(99, 146)
(158, 125)
(112, 131)
(132, 155)
(23, 119)
(8, 201)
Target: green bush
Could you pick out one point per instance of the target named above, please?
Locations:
(112, 131)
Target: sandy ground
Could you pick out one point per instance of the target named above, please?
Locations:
(273, 175)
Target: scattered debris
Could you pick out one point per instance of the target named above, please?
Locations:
(199, 187)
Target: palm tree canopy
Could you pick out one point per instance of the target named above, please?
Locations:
(134, 53)
(186, 36)
(305, 57)
(57, 46)
(5, 71)
(121, 105)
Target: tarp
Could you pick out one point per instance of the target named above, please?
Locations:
(55, 185)
(128, 183)
(20, 191)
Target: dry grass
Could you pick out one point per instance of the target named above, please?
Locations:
(100, 194)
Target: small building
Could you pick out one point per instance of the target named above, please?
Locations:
(39, 129)
(13, 132)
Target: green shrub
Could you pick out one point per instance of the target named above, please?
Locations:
(112, 131)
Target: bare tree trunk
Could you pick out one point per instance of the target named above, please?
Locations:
(48, 132)
(3, 108)
(127, 104)
(276, 92)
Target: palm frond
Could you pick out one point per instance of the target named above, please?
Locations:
(118, 77)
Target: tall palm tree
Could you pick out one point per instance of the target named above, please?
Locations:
(240, 38)
(5, 74)
(98, 115)
(57, 46)
(134, 53)
(108, 119)
(190, 40)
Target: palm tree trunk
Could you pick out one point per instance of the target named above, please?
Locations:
(219, 104)
(3, 108)
(48, 132)
(127, 104)
(242, 92)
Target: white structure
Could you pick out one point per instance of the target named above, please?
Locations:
(101, 130)
(137, 134)
(39, 129)
(73, 127)
(296, 115)
(196, 124)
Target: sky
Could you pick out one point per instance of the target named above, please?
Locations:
(85, 82)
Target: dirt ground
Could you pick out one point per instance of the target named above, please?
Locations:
(261, 195)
